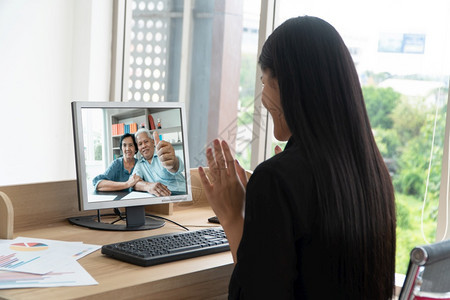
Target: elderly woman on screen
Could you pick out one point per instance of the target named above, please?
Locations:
(117, 176)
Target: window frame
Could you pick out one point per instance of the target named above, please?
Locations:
(262, 124)
(442, 226)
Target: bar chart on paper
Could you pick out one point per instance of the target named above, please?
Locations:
(10, 261)
(69, 275)
(27, 263)
(18, 279)
(31, 262)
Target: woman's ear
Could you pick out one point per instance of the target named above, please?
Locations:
(273, 82)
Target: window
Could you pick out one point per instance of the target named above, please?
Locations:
(187, 51)
(249, 85)
(154, 50)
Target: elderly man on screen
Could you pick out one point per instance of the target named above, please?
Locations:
(161, 173)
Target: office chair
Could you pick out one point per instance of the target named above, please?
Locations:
(428, 275)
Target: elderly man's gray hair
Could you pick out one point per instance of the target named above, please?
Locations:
(144, 130)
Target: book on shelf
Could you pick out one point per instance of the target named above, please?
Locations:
(133, 127)
(116, 129)
(151, 122)
(121, 128)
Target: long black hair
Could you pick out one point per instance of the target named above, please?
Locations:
(324, 109)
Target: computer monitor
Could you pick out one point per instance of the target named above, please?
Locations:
(98, 128)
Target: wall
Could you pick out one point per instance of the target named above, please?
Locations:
(52, 52)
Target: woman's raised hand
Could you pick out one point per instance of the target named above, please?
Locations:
(224, 187)
(225, 182)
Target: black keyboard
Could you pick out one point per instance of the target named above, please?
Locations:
(164, 248)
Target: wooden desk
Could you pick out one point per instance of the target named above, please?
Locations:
(203, 277)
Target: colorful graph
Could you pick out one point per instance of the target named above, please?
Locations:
(31, 262)
(25, 278)
(69, 275)
(28, 247)
(11, 261)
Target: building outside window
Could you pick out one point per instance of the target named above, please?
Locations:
(187, 51)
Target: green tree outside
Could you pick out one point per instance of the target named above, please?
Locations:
(404, 134)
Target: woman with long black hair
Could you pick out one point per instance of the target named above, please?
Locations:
(316, 221)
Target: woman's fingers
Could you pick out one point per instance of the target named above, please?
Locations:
(213, 168)
(241, 173)
(228, 158)
(204, 179)
(210, 159)
(218, 154)
(220, 162)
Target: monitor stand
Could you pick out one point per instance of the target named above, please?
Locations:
(135, 218)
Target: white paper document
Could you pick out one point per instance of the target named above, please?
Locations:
(73, 249)
(31, 262)
(71, 274)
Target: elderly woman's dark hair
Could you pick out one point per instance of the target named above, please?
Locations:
(132, 137)
(325, 112)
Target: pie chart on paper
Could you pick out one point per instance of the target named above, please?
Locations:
(28, 247)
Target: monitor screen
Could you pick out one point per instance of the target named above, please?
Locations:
(119, 164)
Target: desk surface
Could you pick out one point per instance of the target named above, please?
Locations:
(203, 277)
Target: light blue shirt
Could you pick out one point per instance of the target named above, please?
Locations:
(155, 172)
(115, 172)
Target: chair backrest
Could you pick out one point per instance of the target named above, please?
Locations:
(6, 217)
(428, 275)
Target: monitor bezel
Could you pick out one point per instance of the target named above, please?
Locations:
(83, 197)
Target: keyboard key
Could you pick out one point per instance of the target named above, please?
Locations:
(187, 248)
